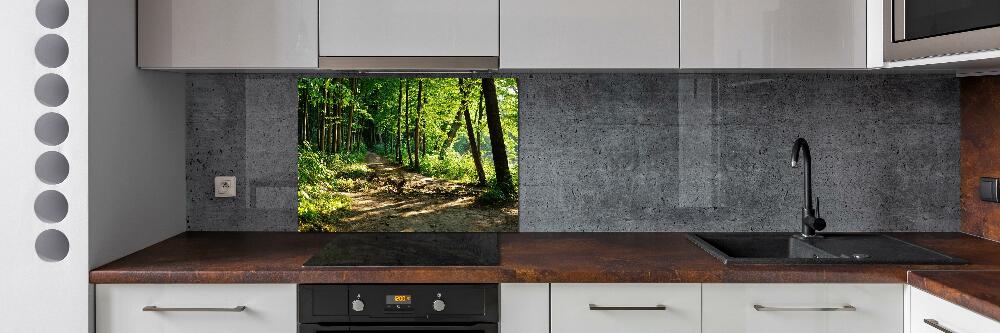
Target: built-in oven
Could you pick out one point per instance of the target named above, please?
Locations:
(386, 308)
(928, 28)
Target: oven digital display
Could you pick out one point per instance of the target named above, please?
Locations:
(398, 299)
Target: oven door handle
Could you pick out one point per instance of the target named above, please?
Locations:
(485, 328)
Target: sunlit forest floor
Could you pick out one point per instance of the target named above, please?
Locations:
(408, 201)
(388, 198)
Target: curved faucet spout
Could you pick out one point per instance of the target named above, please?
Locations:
(807, 188)
(800, 145)
(810, 222)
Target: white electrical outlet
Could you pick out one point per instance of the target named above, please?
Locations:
(225, 187)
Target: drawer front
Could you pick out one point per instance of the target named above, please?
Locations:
(572, 311)
(269, 308)
(797, 308)
(946, 315)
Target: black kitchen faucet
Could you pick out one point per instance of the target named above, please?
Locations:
(810, 221)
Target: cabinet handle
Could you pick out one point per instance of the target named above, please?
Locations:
(154, 308)
(759, 307)
(657, 307)
(935, 324)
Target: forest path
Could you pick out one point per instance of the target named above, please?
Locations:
(400, 200)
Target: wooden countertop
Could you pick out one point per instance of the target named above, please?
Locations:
(266, 257)
(974, 290)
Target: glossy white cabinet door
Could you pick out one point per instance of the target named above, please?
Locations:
(773, 34)
(924, 306)
(409, 28)
(729, 308)
(595, 34)
(228, 33)
(270, 308)
(572, 311)
(524, 308)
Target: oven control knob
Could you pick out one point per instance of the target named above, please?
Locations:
(358, 305)
(438, 305)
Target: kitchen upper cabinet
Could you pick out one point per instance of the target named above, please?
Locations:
(802, 308)
(930, 314)
(626, 307)
(409, 28)
(196, 34)
(589, 34)
(777, 34)
(196, 308)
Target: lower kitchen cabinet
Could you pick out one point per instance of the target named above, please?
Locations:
(569, 308)
(930, 314)
(802, 308)
(625, 308)
(200, 308)
(524, 308)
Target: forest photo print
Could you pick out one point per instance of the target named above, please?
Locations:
(392, 154)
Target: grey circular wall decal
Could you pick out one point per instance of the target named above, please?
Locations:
(51, 90)
(52, 13)
(52, 129)
(52, 167)
(51, 51)
(51, 206)
(52, 245)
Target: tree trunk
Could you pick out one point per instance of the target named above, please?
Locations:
(303, 116)
(336, 120)
(406, 127)
(350, 118)
(321, 122)
(306, 123)
(416, 127)
(479, 116)
(307, 109)
(474, 148)
(505, 183)
(324, 118)
(399, 115)
(455, 124)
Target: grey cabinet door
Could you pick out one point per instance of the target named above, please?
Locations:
(774, 34)
(220, 34)
(589, 34)
(409, 28)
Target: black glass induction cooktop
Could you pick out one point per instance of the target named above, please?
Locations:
(409, 249)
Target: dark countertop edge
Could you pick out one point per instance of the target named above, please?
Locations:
(963, 288)
(497, 276)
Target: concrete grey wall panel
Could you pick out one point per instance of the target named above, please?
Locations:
(641, 152)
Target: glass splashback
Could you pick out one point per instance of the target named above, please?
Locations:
(407, 154)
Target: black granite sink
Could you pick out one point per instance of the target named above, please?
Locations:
(834, 248)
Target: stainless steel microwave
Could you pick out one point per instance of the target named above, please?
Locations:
(929, 28)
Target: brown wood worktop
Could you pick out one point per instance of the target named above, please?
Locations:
(266, 257)
(978, 291)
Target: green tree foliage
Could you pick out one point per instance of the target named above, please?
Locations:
(343, 119)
